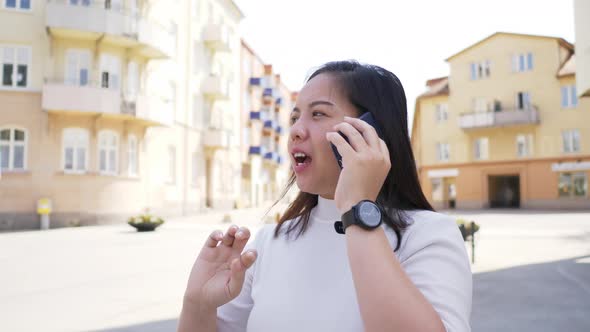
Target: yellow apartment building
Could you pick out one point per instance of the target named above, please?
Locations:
(506, 128)
(109, 107)
(266, 105)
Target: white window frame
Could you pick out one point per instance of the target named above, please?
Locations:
(110, 64)
(81, 139)
(526, 141)
(525, 59)
(572, 177)
(526, 100)
(132, 156)
(171, 164)
(569, 97)
(442, 113)
(85, 3)
(15, 62)
(443, 152)
(18, 6)
(480, 70)
(78, 57)
(102, 147)
(570, 141)
(481, 148)
(12, 144)
(133, 81)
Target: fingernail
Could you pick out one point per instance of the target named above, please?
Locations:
(239, 234)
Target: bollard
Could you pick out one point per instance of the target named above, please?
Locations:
(44, 209)
(472, 242)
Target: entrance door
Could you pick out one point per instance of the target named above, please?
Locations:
(504, 191)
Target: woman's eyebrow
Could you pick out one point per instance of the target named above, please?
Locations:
(312, 104)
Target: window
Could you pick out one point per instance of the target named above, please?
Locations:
(569, 96)
(15, 62)
(80, 2)
(441, 112)
(442, 152)
(573, 184)
(524, 145)
(195, 170)
(13, 149)
(77, 67)
(523, 101)
(18, 4)
(480, 104)
(480, 70)
(480, 148)
(75, 150)
(522, 62)
(108, 147)
(132, 155)
(110, 71)
(132, 80)
(171, 164)
(571, 140)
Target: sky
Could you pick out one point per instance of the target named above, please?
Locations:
(410, 38)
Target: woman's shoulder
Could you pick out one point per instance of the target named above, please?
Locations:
(429, 229)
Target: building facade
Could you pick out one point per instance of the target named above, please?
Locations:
(506, 128)
(266, 105)
(582, 31)
(109, 108)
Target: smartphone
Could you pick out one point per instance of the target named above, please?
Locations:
(368, 118)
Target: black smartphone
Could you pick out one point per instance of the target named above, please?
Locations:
(368, 118)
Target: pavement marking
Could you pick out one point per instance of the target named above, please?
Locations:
(573, 279)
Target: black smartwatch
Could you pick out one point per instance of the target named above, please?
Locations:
(365, 214)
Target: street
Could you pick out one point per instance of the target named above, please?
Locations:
(532, 273)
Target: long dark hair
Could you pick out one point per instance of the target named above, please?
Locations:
(372, 89)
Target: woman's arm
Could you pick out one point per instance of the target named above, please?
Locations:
(194, 318)
(386, 296)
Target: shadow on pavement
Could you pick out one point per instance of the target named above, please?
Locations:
(552, 296)
(157, 326)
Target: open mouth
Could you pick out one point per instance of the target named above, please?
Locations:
(301, 158)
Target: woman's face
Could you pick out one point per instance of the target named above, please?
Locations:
(319, 106)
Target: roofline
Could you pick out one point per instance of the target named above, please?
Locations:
(560, 40)
(235, 5)
(251, 50)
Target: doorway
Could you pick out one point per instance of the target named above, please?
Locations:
(504, 191)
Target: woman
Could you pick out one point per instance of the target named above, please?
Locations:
(409, 273)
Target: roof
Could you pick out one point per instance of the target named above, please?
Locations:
(568, 67)
(561, 41)
(436, 87)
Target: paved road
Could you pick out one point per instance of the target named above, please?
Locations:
(532, 273)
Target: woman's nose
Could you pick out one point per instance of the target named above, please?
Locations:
(297, 132)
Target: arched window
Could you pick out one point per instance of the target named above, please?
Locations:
(132, 155)
(13, 148)
(108, 152)
(75, 144)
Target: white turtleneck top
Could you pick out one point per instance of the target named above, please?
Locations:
(305, 284)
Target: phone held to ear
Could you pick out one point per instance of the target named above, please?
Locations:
(368, 118)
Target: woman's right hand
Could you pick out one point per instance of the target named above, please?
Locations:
(218, 273)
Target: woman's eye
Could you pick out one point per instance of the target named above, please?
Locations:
(314, 113)
(293, 119)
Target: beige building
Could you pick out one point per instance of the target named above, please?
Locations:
(266, 105)
(111, 107)
(506, 128)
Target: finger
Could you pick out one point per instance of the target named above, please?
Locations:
(241, 238)
(368, 132)
(228, 238)
(384, 150)
(213, 239)
(238, 269)
(342, 146)
(355, 138)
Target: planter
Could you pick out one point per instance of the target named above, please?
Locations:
(145, 226)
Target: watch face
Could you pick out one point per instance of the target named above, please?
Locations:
(370, 214)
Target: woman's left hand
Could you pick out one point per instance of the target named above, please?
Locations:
(365, 163)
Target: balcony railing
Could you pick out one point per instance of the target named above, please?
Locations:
(255, 150)
(255, 81)
(505, 117)
(255, 115)
(217, 37)
(97, 20)
(216, 87)
(61, 97)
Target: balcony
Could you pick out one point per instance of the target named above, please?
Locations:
(503, 118)
(255, 150)
(215, 138)
(216, 87)
(255, 115)
(255, 81)
(109, 25)
(217, 37)
(62, 98)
